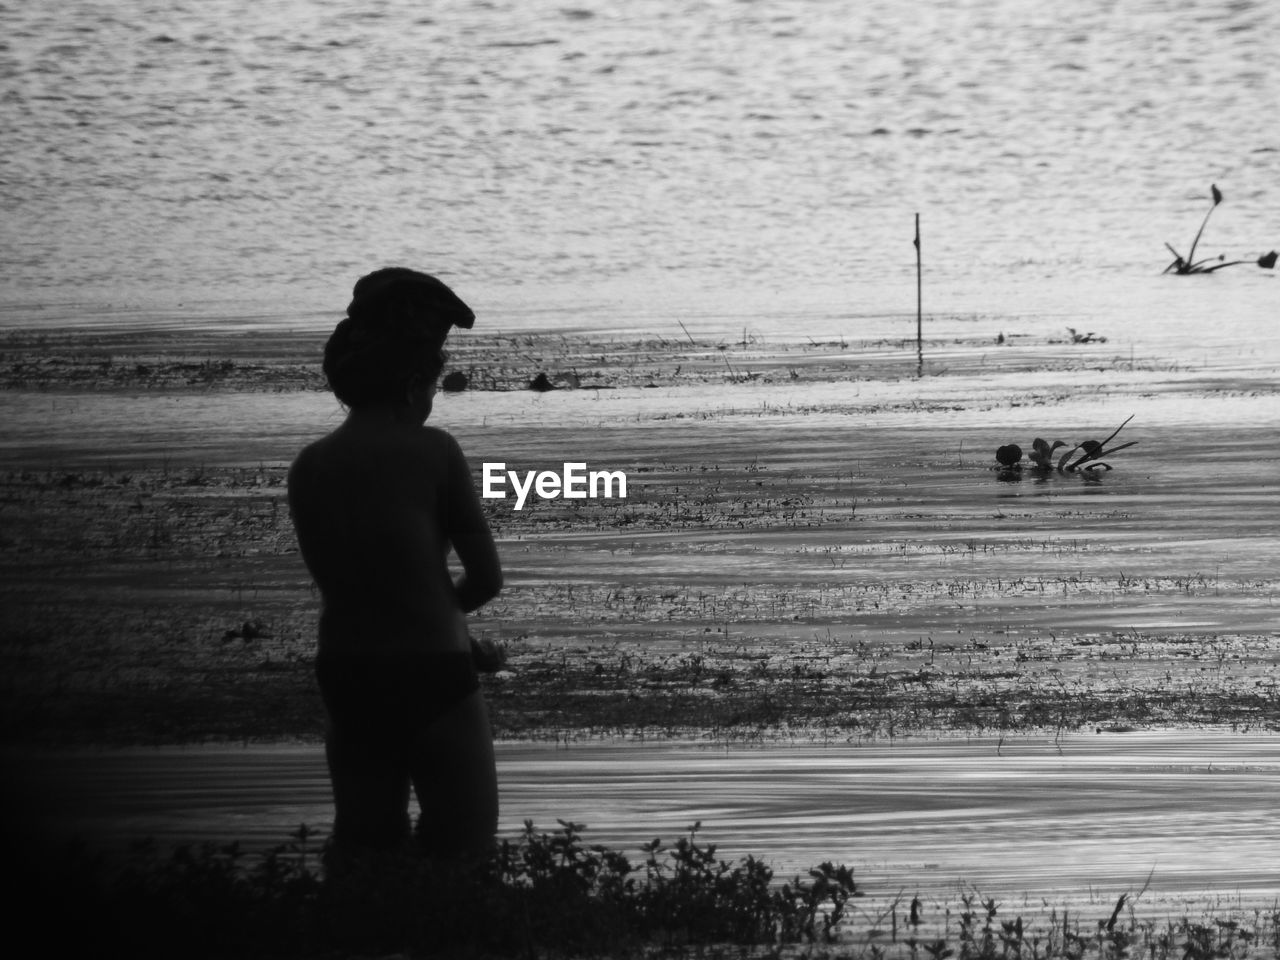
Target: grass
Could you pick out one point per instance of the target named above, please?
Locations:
(555, 895)
(287, 361)
(535, 895)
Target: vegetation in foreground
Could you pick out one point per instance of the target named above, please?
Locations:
(555, 895)
(541, 893)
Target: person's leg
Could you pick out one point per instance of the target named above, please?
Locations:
(370, 779)
(456, 781)
(367, 752)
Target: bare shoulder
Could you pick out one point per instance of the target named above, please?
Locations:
(307, 460)
(305, 481)
(348, 454)
(439, 441)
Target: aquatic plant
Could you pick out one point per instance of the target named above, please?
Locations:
(1008, 455)
(1090, 337)
(1189, 264)
(1044, 458)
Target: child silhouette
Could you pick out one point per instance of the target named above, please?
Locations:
(377, 505)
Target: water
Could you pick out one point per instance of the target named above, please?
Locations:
(612, 164)
(736, 166)
(1028, 816)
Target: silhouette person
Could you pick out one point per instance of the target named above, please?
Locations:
(377, 505)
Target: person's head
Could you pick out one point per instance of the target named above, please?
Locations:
(388, 349)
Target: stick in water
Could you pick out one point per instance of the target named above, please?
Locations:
(919, 306)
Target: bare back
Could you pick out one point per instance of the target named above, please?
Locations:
(377, 506)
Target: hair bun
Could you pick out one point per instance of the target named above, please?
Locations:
(395, 327)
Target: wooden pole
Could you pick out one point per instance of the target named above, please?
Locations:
(919, 306)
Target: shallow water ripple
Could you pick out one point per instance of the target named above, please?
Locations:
(1193, 812)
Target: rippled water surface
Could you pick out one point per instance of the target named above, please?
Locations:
(1037, 816)
(590, 161)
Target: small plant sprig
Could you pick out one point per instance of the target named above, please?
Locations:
(1184, 266)
(693, 897)
(1043, 455)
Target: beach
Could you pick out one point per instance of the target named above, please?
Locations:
(795, 272)
(817, 551)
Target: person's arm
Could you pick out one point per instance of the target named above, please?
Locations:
(467, 530)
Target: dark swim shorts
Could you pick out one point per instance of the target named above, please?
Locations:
(394, 691)
(380, 710)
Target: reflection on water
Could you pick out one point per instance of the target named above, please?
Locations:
(657, 159)
(1028, 815)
